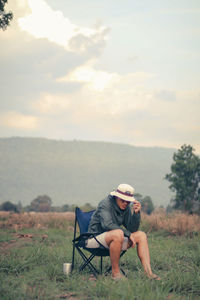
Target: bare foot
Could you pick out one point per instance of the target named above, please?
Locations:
(118, 276)
(154, 276)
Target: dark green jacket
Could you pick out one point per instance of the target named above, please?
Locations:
(109, 216)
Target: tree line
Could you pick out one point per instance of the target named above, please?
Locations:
(43, 203)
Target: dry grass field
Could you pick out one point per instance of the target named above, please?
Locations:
(35, 220)
(174, 223)
(34, 246)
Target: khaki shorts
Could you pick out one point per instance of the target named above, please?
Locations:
(92, 243)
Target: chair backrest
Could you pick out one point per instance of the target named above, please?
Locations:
(83, 219)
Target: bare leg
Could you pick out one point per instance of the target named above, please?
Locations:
(143, 252)
(114, 240)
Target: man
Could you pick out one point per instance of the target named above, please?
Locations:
(112, 213)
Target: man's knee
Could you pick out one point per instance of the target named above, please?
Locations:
(115, 235)
(140, 236)
(118, 234)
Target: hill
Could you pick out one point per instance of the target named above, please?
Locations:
(79, 172)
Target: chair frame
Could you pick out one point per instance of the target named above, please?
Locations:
(79, 244)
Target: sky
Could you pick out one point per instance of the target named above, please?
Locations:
(118, 71)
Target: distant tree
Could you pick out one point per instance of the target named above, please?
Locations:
(27, 208)
(169, 209)
(138, 197)
(5, 18)
(185, 180)
(9, 206)
(72, 207)
(147, 205)
(56, 208)
(19, 206)
(65, 207)
(87, 207)
(41, 204)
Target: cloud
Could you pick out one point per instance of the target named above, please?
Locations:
(31, 69)
(95, 80)
(101, 95)
(31, 65)
(54, 84)
(93, 44)
(14, 119)
(124, 109)
(99, 80)
(44, 22)
(167, 95)
(51, 104)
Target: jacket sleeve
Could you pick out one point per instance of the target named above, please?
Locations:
(131, 221)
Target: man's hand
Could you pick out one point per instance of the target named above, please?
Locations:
(136, 206)
(131, 241)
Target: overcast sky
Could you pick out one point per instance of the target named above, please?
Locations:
(121, 71)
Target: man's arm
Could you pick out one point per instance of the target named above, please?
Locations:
(132, 221)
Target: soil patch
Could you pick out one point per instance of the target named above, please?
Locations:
(21, 240)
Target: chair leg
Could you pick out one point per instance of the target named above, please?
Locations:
(75, 225)
(108, 271)
(73, 255)
(123, 272)
(101, 264)
(87, 262)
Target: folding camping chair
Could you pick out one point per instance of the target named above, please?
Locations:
(83, 220)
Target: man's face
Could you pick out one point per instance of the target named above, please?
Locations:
(122, 203)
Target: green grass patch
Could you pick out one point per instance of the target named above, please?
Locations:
(31, 268)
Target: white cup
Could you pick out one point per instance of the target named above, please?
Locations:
(67, 268)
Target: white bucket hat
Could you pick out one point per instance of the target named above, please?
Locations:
(124, 192)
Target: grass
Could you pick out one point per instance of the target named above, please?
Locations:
(31, 266)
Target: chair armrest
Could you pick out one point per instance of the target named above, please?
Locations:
(85, 236)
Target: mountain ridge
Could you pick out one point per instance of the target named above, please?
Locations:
(80, 171)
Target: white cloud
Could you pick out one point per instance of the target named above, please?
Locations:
(49, 104)
(122, 108)
(14, 119)
(44, 22)
(102, 94)
(94, 80)
(99, 80)
(100, 105)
